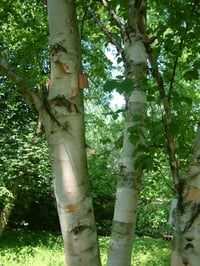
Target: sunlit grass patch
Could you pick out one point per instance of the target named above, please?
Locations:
(25, 248)
(31, 248)
(150, 252)
(103, 243)
(147, 251)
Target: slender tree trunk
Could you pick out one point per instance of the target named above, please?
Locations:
(186, 215)
(64, 125)
(129, 183)
(62, 116)
(8, 208)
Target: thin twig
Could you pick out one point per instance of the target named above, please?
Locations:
(168, 116)
(104, 29)
(115, 17)
(82, 24)
(180, 48)
(29, 96)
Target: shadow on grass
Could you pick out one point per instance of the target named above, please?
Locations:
(20, 237)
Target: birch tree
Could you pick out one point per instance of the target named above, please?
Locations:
(173, 42)
(185, 212)
(61, 114)
(129, 184)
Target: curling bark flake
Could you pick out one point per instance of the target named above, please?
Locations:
(186, 214)
(63, 119)
(129, 183)
(64, 125)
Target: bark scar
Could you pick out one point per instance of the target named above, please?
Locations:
(57, 52)
(60, 100)
(79, 229)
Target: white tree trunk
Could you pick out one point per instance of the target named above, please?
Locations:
(186, 215)
(62, 116)
(64, 127)
(129, 183)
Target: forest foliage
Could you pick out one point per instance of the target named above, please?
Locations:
(25, 43)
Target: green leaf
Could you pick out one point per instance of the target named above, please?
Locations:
(134, 139)
(110, 85)
(142, 161)
(115, 115)
(188, 100)
(120, 85)
(119, 60)
(150, 98)
(127, 85)
(174, 128)
(192, 74)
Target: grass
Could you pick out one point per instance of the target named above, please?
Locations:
(19, 247)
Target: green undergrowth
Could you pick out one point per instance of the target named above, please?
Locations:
(19, 247)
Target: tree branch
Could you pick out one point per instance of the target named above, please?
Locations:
(115, 17)
(180, 48)
(168, 115)
(82, 24)
(29, 96)
(104, 29)
(165, 101)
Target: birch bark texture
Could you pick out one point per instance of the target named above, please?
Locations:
(66, 137)
(129, 182)
(186, 214)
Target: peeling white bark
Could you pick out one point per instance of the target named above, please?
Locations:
(186, 216)
(64, 127)
(125, 205)
(129, 183)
